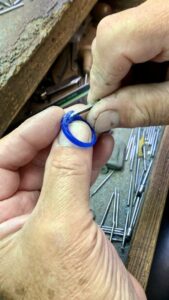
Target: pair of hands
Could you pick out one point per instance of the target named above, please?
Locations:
(60, 253)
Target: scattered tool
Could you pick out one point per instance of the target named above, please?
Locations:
(68, 83)
(71, 97)
(107, 209)
(6, 6)
(141, 148)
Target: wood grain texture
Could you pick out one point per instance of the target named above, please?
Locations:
(145, 238)
(21, 86)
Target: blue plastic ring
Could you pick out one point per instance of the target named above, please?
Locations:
(67, 119)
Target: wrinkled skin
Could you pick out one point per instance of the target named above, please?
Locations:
(50, 247)
(130, 37)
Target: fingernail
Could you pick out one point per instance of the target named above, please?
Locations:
(106, 121)
(79, 130)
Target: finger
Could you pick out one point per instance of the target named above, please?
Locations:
(20, 204)
(120, 42)
(142, 105)
(21, 146)
(9, 183)
(101, 153)
(66, 185)
(12, 226)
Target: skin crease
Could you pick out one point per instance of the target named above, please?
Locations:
(50, 247)
(133, 36)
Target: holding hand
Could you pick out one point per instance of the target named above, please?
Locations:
(60, 252)
(130, 37)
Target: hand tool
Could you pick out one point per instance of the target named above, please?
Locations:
(107, 209)
(125, 231)
(154, 143)
(134, 215)
(101, 184)
(130, 190)
(5, 3)
(130, 140)
(68, 83)
(132, 156)
(114, 214)
(83, 110)
(117, 207)
(71, 97)
(144, 158)
(12, 7)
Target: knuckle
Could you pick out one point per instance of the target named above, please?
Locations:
(133, 113)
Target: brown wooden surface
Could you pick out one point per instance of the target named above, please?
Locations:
(145, 238)
(21, 86)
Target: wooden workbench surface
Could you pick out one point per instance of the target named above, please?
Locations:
(31, 37)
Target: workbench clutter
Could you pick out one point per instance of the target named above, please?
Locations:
(118, 196)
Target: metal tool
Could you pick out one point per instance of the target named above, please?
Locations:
(83, 110)
(117, 208)
(71, 97)
(107, 209)
(101, 184)
(68, 83)
(114, 215)
(7, 8)
(130, 190)
(125, 231)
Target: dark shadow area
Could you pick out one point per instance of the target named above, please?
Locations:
(158, 285)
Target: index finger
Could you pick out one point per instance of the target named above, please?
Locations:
(20, 146)
(123, 39)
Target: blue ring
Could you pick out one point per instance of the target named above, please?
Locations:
(67, 119)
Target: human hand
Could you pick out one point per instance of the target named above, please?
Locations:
(59, 253)
(130, 37)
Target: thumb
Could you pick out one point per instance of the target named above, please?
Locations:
(139, 105)
(66, 185)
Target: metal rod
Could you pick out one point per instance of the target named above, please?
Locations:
(101, 184)
(137, 173)
(82, 111)
(117, 208)
(117, 229)
(125, 231)
(114, 214)
(11, 8)
(144, 158)
(143, 183)
(132, 157)
(107, 210)
(130, 190)
(154, 145)
(129, 144)
(108, 231)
